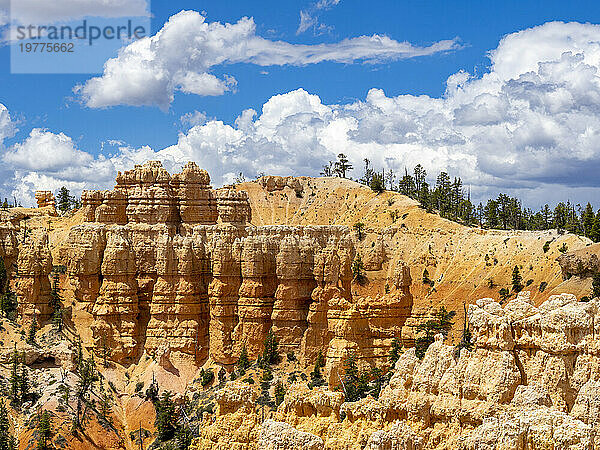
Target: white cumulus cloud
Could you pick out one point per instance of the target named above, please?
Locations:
(7, 126)
(530, 127)
(181, 55)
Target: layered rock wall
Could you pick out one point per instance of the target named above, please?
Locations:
(148, 194)
(166, 261)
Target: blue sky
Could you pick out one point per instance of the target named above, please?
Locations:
(48, 102)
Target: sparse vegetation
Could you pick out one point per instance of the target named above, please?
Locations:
(270, 353)
(517, 285)
(359, 227)
(440, 323)
(596, 285)
(206, 377)
(358, 269)
(395, 351)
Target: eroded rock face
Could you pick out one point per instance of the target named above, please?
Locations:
(279, 436)
(149, 194)
(167, 261)
(531, 381)
(34, 264)
(584, 262)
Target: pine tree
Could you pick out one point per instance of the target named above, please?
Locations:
(440, 323)
(368, 175)
(395, 351)
(270, 353)
(419, 177)
(14, 377)
(64, 200)
(588, 218)
(342, 165)
(595, 233)
(358, 269)
(327, 170)
(279, 393)
(359, 227)
(79, 356)
(31, 332)
(105, 404)
(7, 441)
(407, 186)
(8, 305)
(517, 280)
(165, 417)
(88, 375)
(316, 379)
(596, 285)
(377, 183)
(243, 361)
(355, 384)
(43, 431)
(24, 383)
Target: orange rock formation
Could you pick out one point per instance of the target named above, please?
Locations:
(166, 260)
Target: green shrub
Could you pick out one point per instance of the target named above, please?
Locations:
(206, 377)
(441, 323)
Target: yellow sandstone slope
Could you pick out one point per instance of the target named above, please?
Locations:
(463, 262)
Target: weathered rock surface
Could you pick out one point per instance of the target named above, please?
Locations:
(279, 436)
(166, 260)
(531, 381)
(584, 262)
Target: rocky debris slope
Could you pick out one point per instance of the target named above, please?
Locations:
(530, 382)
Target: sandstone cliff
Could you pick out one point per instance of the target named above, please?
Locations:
(166, 260)
(164, 274)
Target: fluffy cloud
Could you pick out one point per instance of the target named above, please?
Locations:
(530, 126)
(7, 126)
(180, 56)
(59, 147)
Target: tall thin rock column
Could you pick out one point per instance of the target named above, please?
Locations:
(295, 263)
(223, 294)
(115, 328)
(257, 292)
